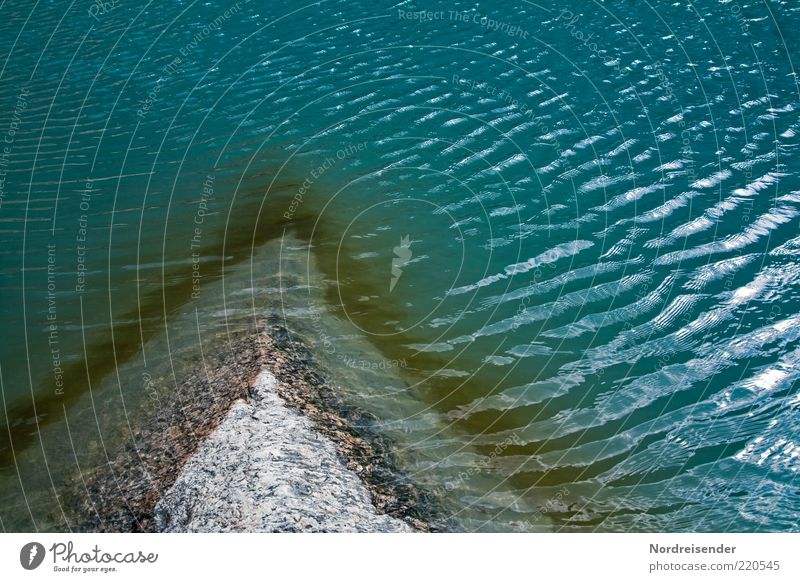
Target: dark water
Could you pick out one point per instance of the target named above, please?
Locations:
(552, 247)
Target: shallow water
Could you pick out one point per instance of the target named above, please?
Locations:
(552, 247)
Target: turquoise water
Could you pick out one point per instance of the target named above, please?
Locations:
(552, 247)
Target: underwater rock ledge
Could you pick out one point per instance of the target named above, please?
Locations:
(266, 469)
(257, 440)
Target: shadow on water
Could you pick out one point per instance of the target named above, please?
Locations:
(112, 347)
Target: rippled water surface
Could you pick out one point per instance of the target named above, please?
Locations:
(552, 247)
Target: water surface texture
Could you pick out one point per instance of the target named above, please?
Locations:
(552, 247)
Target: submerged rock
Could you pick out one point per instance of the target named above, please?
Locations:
(265, 468)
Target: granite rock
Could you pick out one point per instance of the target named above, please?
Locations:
(266, 469)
